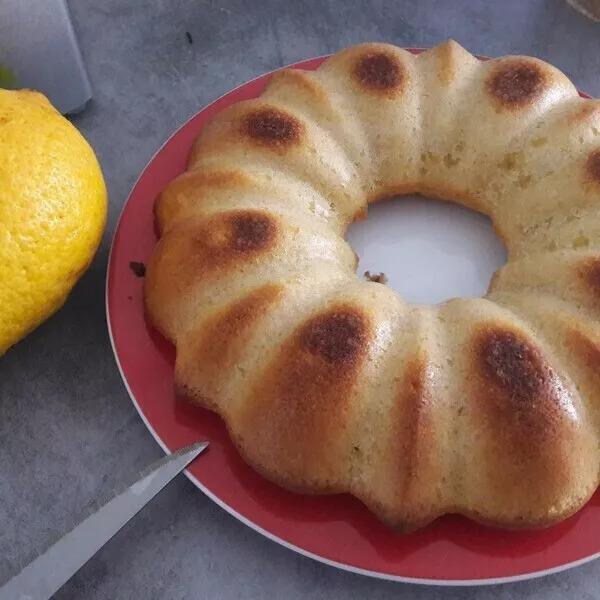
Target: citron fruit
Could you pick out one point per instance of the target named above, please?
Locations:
(52, 211)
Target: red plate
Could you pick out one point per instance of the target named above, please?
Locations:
(337, 530)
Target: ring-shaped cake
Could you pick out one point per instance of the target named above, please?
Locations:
(488, 407)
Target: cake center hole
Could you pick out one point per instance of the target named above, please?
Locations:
(429, 250)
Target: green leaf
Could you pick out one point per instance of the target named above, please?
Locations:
(7, 78)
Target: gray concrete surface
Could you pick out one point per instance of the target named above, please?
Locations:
(67, 427)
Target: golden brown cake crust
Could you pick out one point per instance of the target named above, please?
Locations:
(488, 407)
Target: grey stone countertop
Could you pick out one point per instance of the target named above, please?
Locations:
(68, 429)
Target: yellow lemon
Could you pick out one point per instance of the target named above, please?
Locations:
(52, 211)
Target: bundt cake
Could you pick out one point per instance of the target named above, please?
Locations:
(488, 407)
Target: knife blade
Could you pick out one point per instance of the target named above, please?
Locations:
(44, 572)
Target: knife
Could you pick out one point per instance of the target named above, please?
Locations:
(42, 574)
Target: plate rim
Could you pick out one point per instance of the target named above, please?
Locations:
(487, 581)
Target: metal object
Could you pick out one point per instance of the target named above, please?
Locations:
(45, 572)
(590, 8)
(38, 44)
